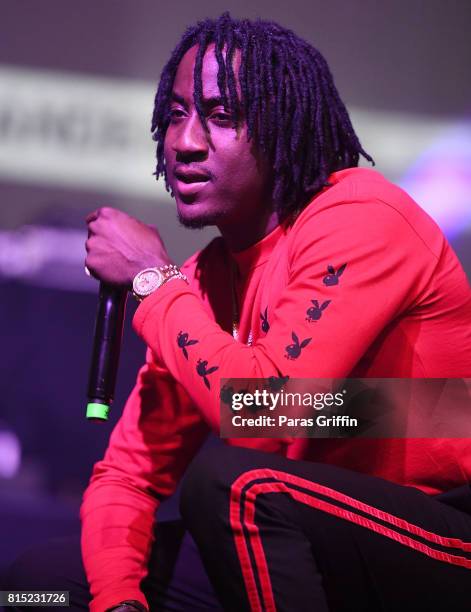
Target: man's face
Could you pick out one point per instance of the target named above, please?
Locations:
(217, 178)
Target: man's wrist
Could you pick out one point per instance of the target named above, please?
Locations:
(150, 279)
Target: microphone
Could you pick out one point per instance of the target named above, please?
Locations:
(106, 350)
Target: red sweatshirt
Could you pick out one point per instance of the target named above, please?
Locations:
(396, 304)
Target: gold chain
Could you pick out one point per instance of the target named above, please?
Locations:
(235, 308)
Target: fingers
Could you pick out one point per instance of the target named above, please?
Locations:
(103, 211)
(93, 221)
(92, 216)
(93, 243)
(91, 229)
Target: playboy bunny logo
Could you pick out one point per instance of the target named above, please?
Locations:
(264, 317)
(202, 371)
(182, 341)
(315, 312)
(275, 383)
(332, 278)
(294, 350)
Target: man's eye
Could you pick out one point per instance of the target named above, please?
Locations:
(221, 117)
(176, 113)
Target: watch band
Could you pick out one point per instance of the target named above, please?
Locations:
(150, 279)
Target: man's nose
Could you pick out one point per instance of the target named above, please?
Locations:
(192, 138)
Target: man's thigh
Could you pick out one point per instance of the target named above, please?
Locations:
(376, 545)
(395, 546)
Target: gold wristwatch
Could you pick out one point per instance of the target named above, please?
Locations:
(148, 280)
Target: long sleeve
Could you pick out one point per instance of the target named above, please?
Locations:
(152, 443)
(351, 268)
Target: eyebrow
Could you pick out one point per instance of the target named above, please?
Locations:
(207, 102)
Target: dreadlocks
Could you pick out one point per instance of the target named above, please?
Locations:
(288, 99)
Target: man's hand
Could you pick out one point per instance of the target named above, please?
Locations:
(119, 246)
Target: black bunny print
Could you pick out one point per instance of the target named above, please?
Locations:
(314, 313)
(294, 350)
(332, 278)
(201, 368)
(264, 317)
(275, 383)
(182, 341)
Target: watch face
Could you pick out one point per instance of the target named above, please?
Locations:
(147, 281)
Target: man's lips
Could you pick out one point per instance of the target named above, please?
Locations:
(185, 175)
(190, 181)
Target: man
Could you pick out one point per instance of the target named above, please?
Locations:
(253, 137)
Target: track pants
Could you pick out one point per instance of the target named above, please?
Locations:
(276, 534)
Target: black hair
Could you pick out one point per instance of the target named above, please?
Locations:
(288, 99)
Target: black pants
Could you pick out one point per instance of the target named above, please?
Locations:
(292, 536)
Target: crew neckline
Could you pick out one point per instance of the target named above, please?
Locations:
(257, 253)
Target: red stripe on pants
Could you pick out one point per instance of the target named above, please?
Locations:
(283, 484)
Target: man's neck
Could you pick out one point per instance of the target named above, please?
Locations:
(246, 235)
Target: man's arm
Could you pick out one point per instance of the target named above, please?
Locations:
(154, 440)
(360, 264)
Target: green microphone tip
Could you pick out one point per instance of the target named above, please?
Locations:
(98, 411)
